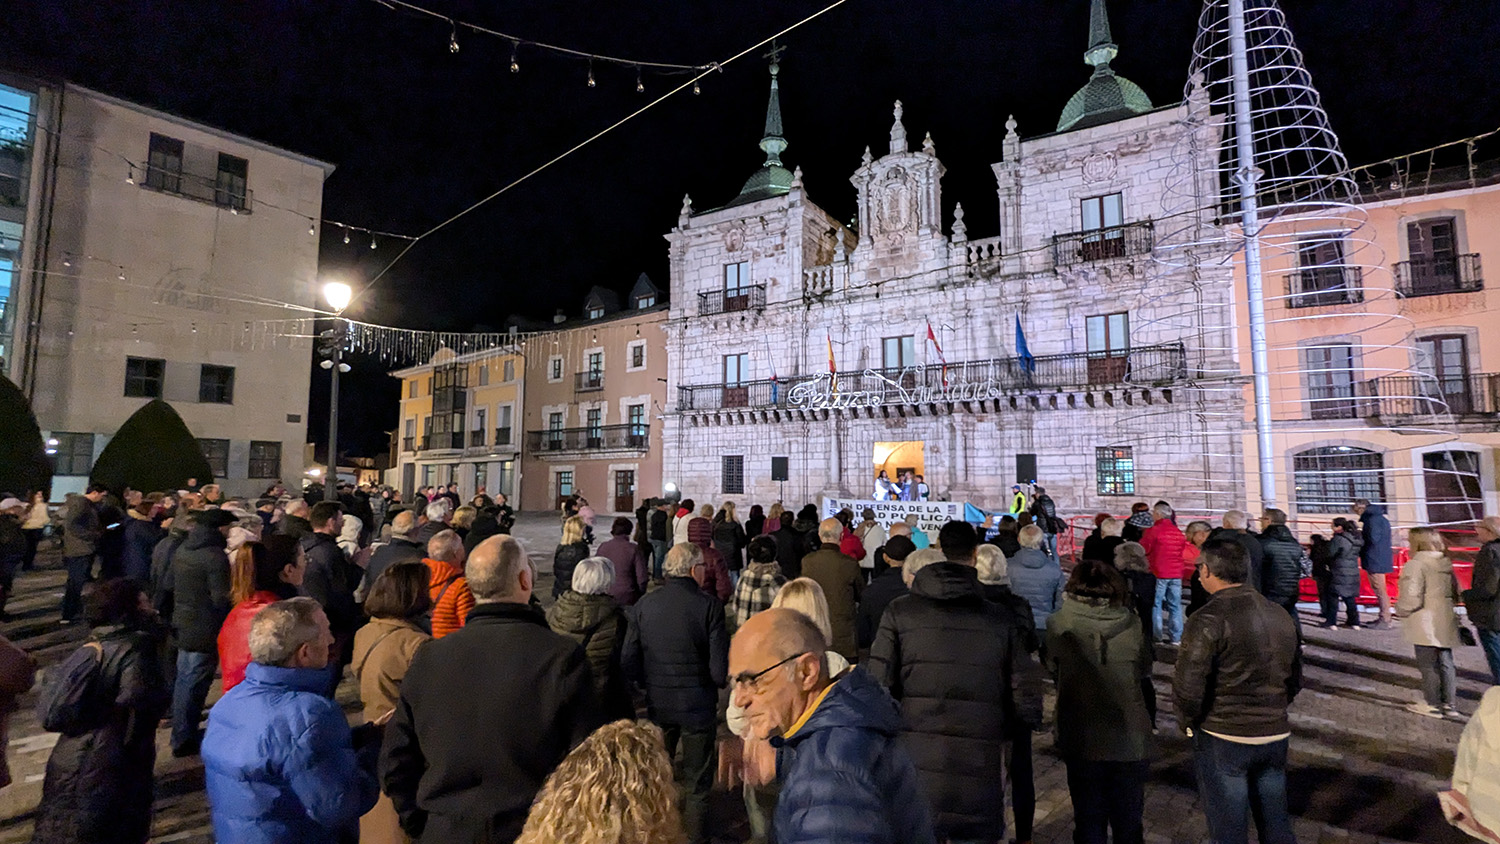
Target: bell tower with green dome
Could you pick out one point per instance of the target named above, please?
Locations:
(772, 179)
(1107, 96)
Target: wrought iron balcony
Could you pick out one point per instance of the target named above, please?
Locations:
(1436, 276)
(1086, 247)
(1319, 287)
(1146, 366)
(476, 438)
(409, 444)
(602, 438)
(502, 436)
(1396, 397)
(202, 188)
(440, 442)
(588, 382)
(748, 297)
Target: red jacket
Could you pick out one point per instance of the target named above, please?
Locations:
(851, 546)
(234, 637)
(451, 598)
(715, 572)
(1164, 543)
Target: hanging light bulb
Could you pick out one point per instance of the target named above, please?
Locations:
(67, 262)
(696, 89)
(195, 328)
(346, 235)
(591, 73)
(372, 240)
(640, 88)
(515, 67)
(453, 38)
(312, 230)
(130, 175)
(122, 274)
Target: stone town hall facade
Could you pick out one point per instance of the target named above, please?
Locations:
(791, 335)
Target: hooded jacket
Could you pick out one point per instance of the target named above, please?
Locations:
(845, 775)
(279, 762)
(596, 623)
(958, 666)
(1038, 578)
(1343, 564)
(1425, 602)
(715, 572)
(1099, 656)
(1281, 571)
(1376, 555)
(200, 589)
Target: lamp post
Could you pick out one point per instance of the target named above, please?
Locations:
(337, 294)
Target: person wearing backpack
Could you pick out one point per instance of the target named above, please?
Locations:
(106, 700)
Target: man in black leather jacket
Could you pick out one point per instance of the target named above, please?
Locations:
(1238, 669)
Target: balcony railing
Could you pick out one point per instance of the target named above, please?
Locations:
(1436, 276)
(202, 188)
(1093, 245)
(476, 438)
(502, 436)
(745, 298)
(409, 444)
(1318, 287)
(971, 381)
(1401, 396)
(602, 438)
(438, 442)
(588, 382)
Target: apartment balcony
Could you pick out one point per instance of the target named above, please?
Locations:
(749, 297)
(588, 382)
(442, 442)
(1095, 245)
(1436, 276)
(1400, 399)
(1143, 367)
(502, 437)
(200, 187)
(582, 441)
(1318, 287)
(409, 444)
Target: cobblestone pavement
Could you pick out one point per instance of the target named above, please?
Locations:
(1362, 770)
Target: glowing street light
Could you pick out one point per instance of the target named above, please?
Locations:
(338, 295)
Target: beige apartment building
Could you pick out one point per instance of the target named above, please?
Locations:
(141, 257)
(458, 422)
(1384, 358)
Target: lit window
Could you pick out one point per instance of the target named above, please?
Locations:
(73, 454)
(1330, 478)
(1114, 470)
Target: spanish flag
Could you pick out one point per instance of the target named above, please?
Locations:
(832, 367)
(932, 338)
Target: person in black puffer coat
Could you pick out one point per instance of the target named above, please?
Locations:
(959, 668)
(99, 786)
(570, 552)
(200, 603)
(789, 547)
(1336, 568)
(1281, 575)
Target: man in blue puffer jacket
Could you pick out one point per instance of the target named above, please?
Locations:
(845, 776)
(280, 762)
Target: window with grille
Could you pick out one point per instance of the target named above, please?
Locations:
(73, 454)
(265, 459)
(1330, 381)
(733, 475)
(595, 312)
(1114, 470)
(217, 452)
(164, 164)
(1330, 478)
(596, 363)
(643, 302)
(143, 377)
(636, 417)
(230, 183)
(564, 484)
(216, 384)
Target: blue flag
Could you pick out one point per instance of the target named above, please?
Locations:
(1028, 362)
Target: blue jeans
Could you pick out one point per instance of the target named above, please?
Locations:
(1170, 590)
(658, 554)
(79, 570)
(1236, 781)
(195, 673)
(1049, 541)
(1489, 640)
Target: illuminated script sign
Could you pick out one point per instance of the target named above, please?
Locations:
(873, 388)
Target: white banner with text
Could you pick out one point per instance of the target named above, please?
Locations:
(931, 515)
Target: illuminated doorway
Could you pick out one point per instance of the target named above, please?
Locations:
(897, 458)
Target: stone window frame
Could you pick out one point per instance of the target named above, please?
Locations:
(1304, 382)
(556, 369)
(1289, 456)
(630, 355)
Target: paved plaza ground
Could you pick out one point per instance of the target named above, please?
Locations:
(1362, 769)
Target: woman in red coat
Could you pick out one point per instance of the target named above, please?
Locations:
(262, 573)
(715, 571)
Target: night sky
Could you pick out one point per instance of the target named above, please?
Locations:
(418, 132)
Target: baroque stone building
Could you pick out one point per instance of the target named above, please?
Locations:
(1068, 349)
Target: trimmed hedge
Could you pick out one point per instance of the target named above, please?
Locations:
(152, 452)
(24, 466)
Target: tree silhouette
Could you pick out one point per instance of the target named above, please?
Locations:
(24, 466)
(152, 452)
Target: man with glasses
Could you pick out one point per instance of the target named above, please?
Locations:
(678, 649)
(1238, 669)
(845, 776)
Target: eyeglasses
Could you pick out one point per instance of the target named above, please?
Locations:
(752, 681)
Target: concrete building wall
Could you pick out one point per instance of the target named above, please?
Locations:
(117, 268)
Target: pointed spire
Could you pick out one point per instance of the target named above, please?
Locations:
(1101, 44)
(773, 143)
(927, 145)
(960, 229)
(898, 132)
(867, 159)
(796, 177)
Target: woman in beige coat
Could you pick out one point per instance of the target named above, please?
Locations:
(383, 650)
(1428, 622)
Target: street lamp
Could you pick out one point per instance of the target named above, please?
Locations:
(337, 294)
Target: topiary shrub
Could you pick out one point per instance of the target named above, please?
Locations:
(152, 452)
(24, 466)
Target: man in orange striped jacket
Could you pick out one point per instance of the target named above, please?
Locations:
(451, 599)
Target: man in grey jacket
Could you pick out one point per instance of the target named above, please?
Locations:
(81, 533)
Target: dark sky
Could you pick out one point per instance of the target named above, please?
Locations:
(418, 132)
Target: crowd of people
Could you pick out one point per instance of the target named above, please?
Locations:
(852, 681)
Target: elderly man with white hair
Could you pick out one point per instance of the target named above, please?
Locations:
(1236, 528)
(588, 614)
(403, 548)
(1483, 598)
(843, 585)
(294, 521)
(438, 514)
(487, 712)
(280, 762)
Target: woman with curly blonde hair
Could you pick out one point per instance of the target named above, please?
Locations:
(615, 788)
